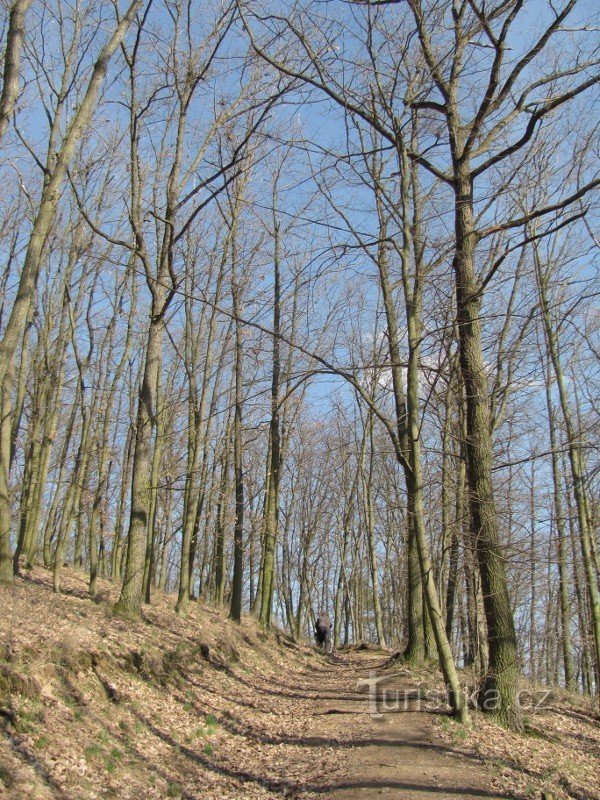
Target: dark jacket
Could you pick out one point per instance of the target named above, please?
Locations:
(323, 622)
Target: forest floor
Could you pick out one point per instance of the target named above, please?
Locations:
(95, 707)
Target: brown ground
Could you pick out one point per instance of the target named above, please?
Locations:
(94, 707)
(397, 756)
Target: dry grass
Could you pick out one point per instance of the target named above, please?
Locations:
(92, 706)
(558, 753)
(96, 707)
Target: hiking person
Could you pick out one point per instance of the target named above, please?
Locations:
(323, 631)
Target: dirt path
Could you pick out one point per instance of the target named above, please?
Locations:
(96, 708)
(396, 756)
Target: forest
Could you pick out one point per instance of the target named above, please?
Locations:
(299, 311)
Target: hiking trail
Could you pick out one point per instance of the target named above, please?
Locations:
(396, 755)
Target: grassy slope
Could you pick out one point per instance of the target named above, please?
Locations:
(97, 707)
(558, 754)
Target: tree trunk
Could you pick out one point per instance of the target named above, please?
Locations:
(12, 61)
(6, 560)
(499, 690)
(235, 611)
(157, 452)
(563, 588)
(272, 499)
(457, 529)
(130, 600)
(577, 473)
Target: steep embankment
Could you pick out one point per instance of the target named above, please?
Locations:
(95, 707)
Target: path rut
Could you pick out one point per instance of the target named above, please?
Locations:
(396, 756)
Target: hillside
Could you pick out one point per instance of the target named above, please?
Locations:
(95, 707)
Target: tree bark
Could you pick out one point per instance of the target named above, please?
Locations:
(12, 61)
(272, 498)
(130, 600)
(499, 689)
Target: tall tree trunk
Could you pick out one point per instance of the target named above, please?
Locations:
(72, 497)
(235, 611)
(499, 689)
(198, 436)
(370, 527)
(272, 499)
(220, 570)
(456, 534)
(559, 519)
(120, 512)
(157, 453)
(415, 648)
(6, 560)
(445, 657)
(577, 473)
(130, 600)
(50, 527)
(532, 579)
